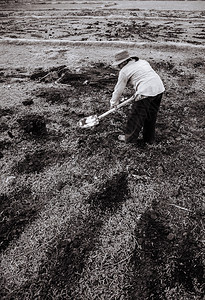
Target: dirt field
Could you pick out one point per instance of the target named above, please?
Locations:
(84, 216)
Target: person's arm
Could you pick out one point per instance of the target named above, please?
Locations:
(119, 88)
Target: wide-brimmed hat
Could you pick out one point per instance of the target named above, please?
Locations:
(121, 57)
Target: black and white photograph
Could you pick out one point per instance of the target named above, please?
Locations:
(102, 150)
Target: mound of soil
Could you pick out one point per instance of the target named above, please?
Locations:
(33, 124)
(99, 75)
(43, 75)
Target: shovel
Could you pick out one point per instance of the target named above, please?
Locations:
(95, 120)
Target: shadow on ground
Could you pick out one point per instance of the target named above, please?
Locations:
(164, 261)
(67, 258)
(18, 209)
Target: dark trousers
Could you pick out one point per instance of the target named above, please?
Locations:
(143, 114)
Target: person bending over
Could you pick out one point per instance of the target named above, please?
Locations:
(149, 90)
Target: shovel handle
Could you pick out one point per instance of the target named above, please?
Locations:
(118, 106)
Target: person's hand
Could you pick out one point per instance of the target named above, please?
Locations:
(113, 106)
(139, 97)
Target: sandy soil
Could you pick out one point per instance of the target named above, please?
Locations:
(54, 33)
(105, 24)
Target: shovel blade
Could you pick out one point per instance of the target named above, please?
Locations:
(88, 122)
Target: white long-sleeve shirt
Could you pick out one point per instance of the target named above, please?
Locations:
(144, 79)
